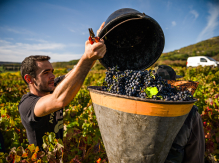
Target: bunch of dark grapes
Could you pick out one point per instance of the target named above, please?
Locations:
(134, 83)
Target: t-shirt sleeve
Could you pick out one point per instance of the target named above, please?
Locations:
(58, 80)
(26, 109)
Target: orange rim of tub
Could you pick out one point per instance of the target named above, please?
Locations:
(140, 106)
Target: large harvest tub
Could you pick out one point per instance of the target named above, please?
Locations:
(136, 130)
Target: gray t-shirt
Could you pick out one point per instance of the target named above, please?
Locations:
(36, 127)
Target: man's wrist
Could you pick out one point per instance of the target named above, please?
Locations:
(87, 61)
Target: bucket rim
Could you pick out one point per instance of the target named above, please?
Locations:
(98, 90)
(127, 15)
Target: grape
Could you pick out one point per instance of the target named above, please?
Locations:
(133, 83)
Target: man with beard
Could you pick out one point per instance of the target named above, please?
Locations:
(41, 109)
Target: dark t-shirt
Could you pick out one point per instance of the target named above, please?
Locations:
(36, 127)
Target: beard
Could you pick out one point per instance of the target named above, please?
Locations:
(45, 87)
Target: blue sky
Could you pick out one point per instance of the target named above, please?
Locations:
(59, 28)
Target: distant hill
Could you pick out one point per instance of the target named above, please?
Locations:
(9, 66)
(6, 63)
(178, 57)
(68, 64)
(208, 47)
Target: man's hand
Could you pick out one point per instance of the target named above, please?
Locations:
(96, 50)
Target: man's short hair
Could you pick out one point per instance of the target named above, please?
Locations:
(29, 65)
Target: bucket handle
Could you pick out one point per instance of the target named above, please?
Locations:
(118, 25)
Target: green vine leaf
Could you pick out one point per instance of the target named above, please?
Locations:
(151, 91)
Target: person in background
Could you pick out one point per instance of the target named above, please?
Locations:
(189, 144)
(41, 109)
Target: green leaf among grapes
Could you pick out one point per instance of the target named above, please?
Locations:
(151, 91)
(152, 75)
(160, 97)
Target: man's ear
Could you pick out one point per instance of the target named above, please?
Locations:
(28, 79)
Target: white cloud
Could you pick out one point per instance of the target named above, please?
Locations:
(79, 30)
(36, 40)
(13, 30)
(3, 42)
(195, 13)
(17, 30)
(173, 23)
(169, 4)
(72, 30)
(191, 16)
(75, 45)
(19, 55)
(16, 52)
(58, 7)
(212, 22)
(35, 47)
(9, 38)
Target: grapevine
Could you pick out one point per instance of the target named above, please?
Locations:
(82, 139)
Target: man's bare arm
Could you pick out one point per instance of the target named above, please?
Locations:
(68, 88)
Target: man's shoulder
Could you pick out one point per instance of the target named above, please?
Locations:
(28, 96)
(27, 101)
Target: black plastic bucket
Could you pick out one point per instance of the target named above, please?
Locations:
(133, 40)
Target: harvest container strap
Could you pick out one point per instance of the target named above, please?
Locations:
(140, 107)
(118, 25)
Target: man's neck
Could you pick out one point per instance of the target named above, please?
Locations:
(38, 93)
